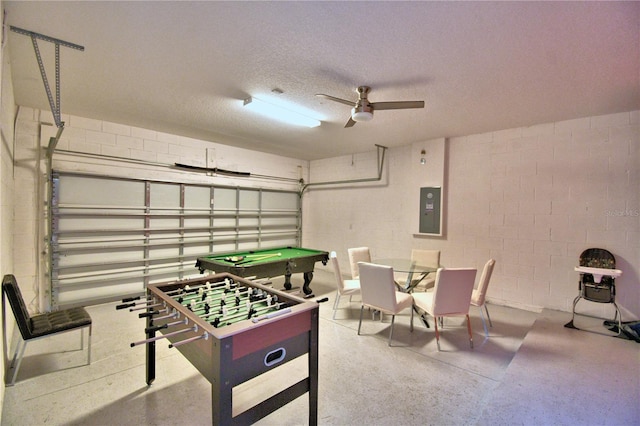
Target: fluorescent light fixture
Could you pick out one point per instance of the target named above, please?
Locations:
(280, 113)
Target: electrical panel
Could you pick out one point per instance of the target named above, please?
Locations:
(430, 210)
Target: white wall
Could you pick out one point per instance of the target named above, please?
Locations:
(532, 198)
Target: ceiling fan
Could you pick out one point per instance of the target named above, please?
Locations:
(363, 109)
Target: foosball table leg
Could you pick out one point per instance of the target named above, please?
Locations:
(313, 370)
(150, 352)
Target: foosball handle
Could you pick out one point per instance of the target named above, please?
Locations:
(155, 328)
(324, 299)
(125, 305)
(148, 314)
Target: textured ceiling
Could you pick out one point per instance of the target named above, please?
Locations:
(185, 67)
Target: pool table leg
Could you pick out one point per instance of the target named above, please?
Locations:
(287, 281)
(308, 276)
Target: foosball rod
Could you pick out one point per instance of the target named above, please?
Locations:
(139, 308)
(244, 295)
(271, 315)
(175, 333)
(215, 298)
(204, 336)
(243, 315)
(132, 303)
(217, 293)
(174, 314)
(226, 281)
(236, 307)
(171, 324)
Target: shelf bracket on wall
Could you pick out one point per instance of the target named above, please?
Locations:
(53, 103)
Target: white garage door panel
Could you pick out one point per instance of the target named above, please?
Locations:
(111, 236)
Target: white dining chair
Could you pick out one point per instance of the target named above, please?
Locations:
(478, 297)
(358, 254)
(451, 296)
(344, 287)
(378, 291)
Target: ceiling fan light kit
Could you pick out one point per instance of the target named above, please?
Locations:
(279, 113)
(363, 109)
(361, 114)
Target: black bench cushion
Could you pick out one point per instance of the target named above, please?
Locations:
(42, 324)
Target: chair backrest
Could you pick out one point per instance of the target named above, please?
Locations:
(358, 254)
(479, 295)
(377, 287)
(426, 257)
(452, 291)
(336, 271)
(598, 258)
(12, 291)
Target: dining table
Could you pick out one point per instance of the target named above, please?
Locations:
(413, 269)
(410, 267)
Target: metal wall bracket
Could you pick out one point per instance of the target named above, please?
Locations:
(54, 104)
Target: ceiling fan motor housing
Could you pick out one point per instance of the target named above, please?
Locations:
(362, 113)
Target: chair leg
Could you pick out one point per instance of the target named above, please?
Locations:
(484, 324)
(469, 328)
(360, 323)
(393, 317)
(411, 328)
(335, 304)
(435, 321)
(16, 366)
(89, 346)
(488, 317)
(618, 316)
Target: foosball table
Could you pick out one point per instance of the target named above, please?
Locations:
(232, 330)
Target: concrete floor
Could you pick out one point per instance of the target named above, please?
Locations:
(531, 370)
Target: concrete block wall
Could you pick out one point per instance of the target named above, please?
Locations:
(533, 198)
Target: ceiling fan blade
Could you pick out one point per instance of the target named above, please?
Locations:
(377, 106)
(333, 98)
(350, 123)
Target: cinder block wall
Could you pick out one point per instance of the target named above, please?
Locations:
(532, 198)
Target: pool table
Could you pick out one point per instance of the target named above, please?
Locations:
(267, 263)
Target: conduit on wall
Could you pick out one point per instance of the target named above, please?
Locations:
(381, 153)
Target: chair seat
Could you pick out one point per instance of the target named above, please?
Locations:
(55, 322)
(403, 301)
(427, 283)
(351, 287)
(424, 300)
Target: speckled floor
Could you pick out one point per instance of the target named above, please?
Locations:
(531, 370)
